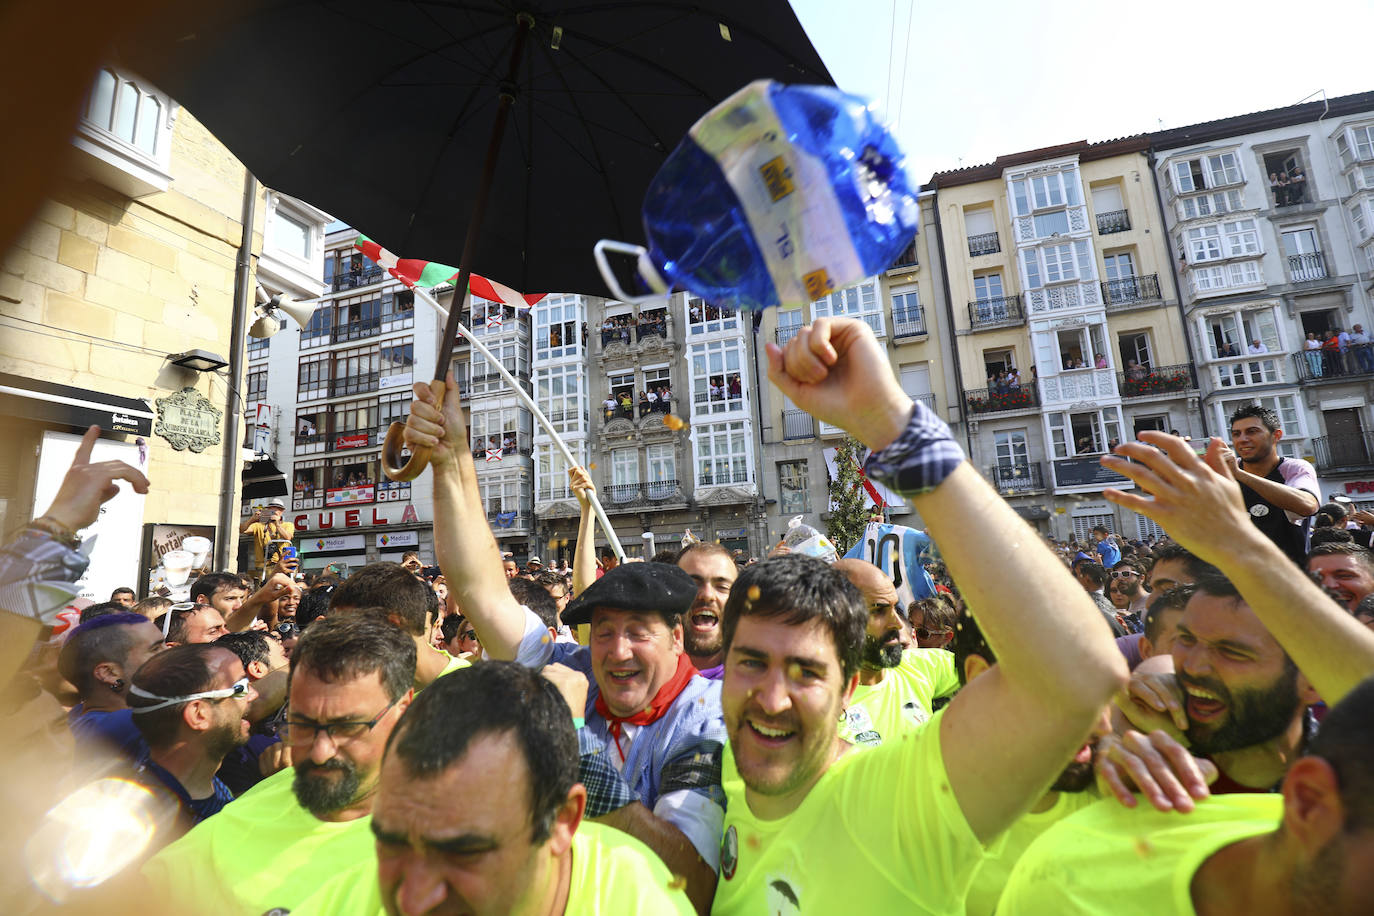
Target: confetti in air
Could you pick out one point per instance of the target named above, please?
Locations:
(674, 422)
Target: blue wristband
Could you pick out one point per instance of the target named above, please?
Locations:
(579, 722)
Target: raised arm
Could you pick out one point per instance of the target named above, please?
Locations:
(1290, 499)
(584, 559)
(1006, 735)
(1199, 503)
(463, 543)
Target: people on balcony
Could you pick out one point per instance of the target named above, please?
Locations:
(1297, 185)
(1101, 361)
(1312, 350)
(1332, 364)
(1227, 350)
(1257, 347)
(1013, 380)
(1135, 372)
(1359, 347)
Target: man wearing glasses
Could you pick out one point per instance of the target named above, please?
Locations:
(896, 688)
(351, 679)
(191, 705)
(1130, 578)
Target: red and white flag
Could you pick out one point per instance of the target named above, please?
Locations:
(429, 274)
(494, 454)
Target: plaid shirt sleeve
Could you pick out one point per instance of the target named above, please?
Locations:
(38, 575)
(606, 790)
(920, 458)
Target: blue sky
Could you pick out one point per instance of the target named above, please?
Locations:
(988, 78)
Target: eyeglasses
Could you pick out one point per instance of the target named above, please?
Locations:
(468, 634)
(304, 733)
(236, 690)
(1125, 574)
(923, 633)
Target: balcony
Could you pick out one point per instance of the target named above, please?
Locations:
(1304, 268)
(1253, 370)
(314, 442)
(647, 329)
(907, 259)
(783, 334)
(987, 243)
(909, 322)
(706, 403)
(508, 444)
(983, 402)
(611, 335)
(1113, 221)
(514, 521)
(927, 399)
(1125, 293)
(1018, 479)
(353, 384)
(1345, 452)
(623, 494)
(355, 279)
(723, 478)
(798, 424)
(1325, 366)
(355, 330)
(1002, 312)
(657, 491)
(1151, 381)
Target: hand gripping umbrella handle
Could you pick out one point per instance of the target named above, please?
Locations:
(391, 451)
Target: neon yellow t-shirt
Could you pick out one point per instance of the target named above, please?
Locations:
(880, 832)
(455, 662)
(1125, 861)
(261, 851)
(902, 699)
(612, 874)
(992, 875)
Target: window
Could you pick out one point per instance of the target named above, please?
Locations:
(998, 361)
(312, 377)
(398, 310)
(319, 328)
(794, 488)
(987, 287)
(1361, 142)
(718, 379)
(1057, 264)
(513, 356)
(1056, 189)
(1084, 433)
(392, 408)
(981, 226)
(624, 474)
(1011, 448)
(505, 428)
(1118, 265)
(1228, 201)
(552, 471)
(855, 302)
(1357, 216)
(558, 322)
(1234, 333)
(351, 481)
(1083, 348)
(558, 392)
(789, 323)
(289, 235)
(1134, 347)
(355, 371)
(128, 111)
(257, 385)
(704, 318)
(907, 317)
(722, 453)
(357, 317)
(661, 462)
(397, 362)
(1230, 276)
(354, 423)
(506, 492)
(658, 381)
(1107, 199)
(1233, 239)
(1158, 422)
(1083, 526)
(307, 484)
(1207, 172)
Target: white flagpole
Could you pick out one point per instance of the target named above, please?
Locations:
(538, 415)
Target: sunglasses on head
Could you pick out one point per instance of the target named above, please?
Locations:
(236, 690)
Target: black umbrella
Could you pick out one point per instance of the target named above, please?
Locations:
(393, 117)
(381, 113)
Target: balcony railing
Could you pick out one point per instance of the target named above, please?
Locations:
(1289, 195)
(987, 243)
(1327, 365)
(353, 384)
(720, 403)
(983, 401)
(1303, 268)
(647, 329)
(623, 334)
(656, 491)
(1344, 451)
(723, 478)
(927, 399)
(1018, 478)
(355, 330)
(1002, 312)
(783, 334)
(1146, 381)
(1130, 292)
(798, 424)
(1113, 221)
(910, 322)
(352, 280)
(620, 494)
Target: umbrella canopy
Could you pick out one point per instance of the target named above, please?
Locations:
(380, 113)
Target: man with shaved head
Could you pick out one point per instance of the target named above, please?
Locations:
(896, 688)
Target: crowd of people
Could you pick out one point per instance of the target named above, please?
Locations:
(1338, 352)
(1177, 725)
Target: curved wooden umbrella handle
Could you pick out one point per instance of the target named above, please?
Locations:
(395, 441)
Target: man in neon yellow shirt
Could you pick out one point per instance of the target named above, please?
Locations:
(408, 603)
(900, 827)
(896, 689)
(501, 738)
(1310, 850)
(350, 681)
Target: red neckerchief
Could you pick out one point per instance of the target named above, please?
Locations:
(659, 705)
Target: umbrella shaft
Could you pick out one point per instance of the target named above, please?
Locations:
(479, 205)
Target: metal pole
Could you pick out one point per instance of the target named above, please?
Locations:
(525, 399)
(228, 529)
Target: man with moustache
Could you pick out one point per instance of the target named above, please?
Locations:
(350, 681)
(714, 572)
(897, 688)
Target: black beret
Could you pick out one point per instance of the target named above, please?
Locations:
(658, 587)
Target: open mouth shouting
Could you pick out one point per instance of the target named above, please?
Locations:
(769, 735)
(704, 619)
(1203, 705)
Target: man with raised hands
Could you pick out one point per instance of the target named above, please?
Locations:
(902, 826)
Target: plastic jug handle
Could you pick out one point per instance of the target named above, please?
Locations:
(642, 263)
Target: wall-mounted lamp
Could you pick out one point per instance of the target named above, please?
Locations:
(198, 360)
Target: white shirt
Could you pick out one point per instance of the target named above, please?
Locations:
(1357, 337)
